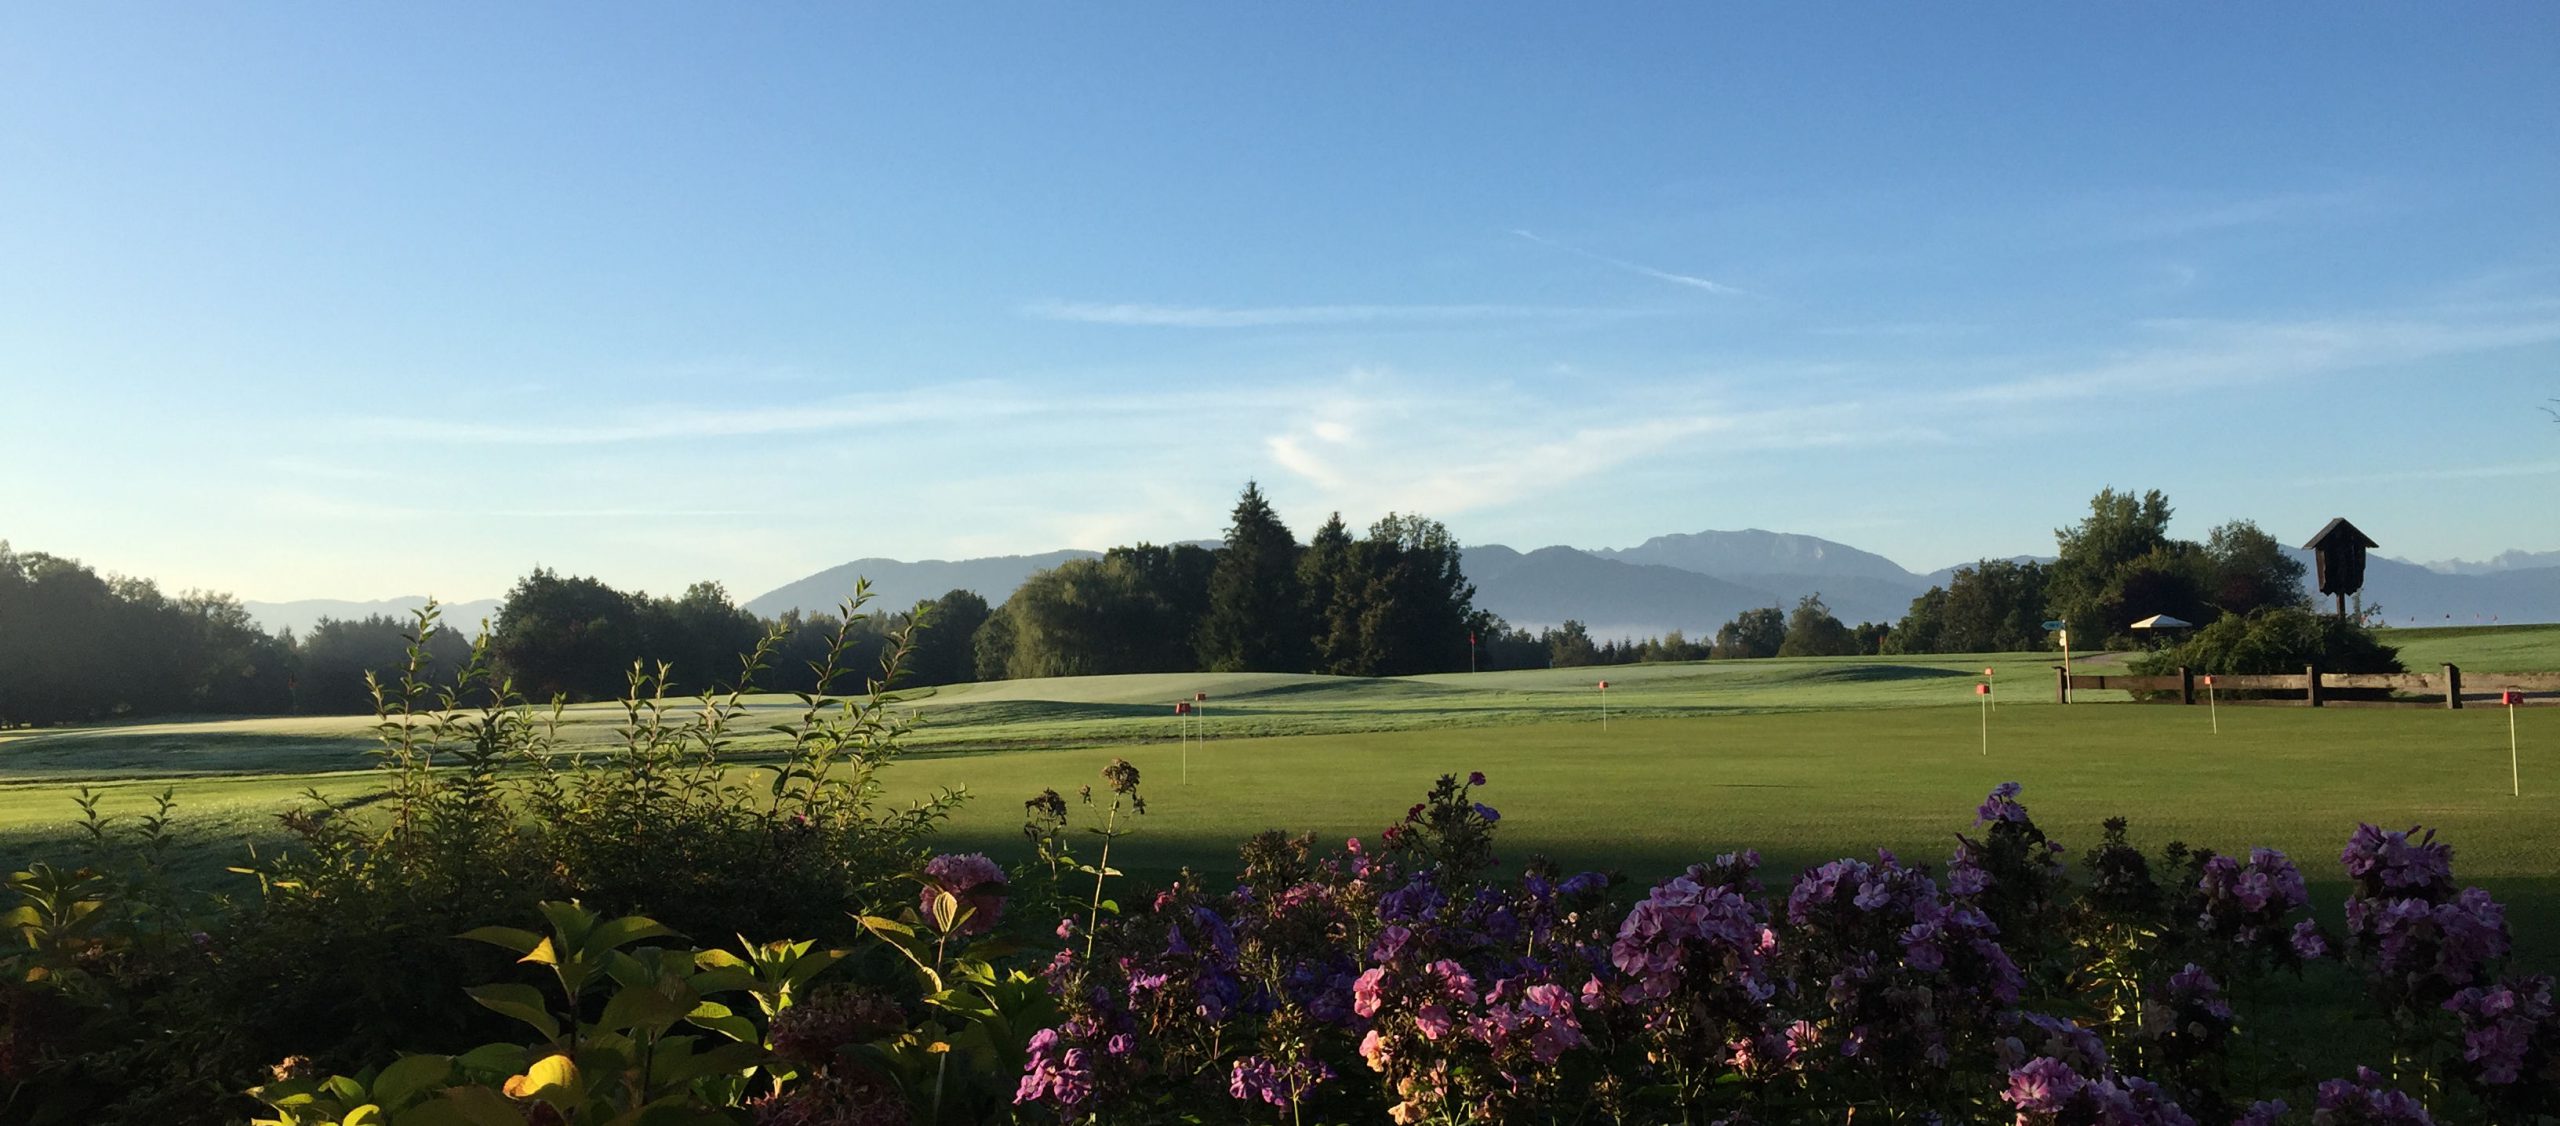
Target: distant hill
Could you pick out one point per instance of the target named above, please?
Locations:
(1755, 552)
(897, 585)
(1615, 599)
(2411, 595)
(2503, 561)
(1693, 582)
(303, 614)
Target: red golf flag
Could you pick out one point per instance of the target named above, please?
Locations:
(2511, 699)
(1604, 685)
(1982, 690)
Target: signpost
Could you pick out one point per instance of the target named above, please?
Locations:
(1984, 690)
(2064, 629)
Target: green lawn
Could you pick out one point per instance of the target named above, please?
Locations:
(1803, 759)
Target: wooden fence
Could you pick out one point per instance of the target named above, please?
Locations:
(2312, 688)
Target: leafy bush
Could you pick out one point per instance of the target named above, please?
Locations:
(2276, 642)
(345, 953)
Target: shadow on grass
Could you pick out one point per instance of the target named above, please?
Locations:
(177, 756)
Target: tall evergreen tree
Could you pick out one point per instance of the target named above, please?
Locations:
(1331, 611)
(1257, 619)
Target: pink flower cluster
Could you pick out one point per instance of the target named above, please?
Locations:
(979, 884)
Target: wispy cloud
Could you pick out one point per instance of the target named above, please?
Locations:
(676, 421)
(2174, 218)
(1692, 281)
(1273, 316)
(2450, 473)
(2207, 354)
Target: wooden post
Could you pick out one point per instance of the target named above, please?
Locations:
(2452, 685)
(2186, 686)
(2061, 685)
(2311, 685)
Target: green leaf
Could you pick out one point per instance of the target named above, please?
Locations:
(520, 941)
(624, 931)
(725, 1059)
(633, 1008)
(570, 921)
(409, 1077)
(552, 1079)
(725, 1021)
(886, 928)
(493, 1059)
(522, 1002)
(479, 1106)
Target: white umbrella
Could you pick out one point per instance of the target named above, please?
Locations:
(2162, 621)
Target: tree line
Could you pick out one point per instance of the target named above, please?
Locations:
(1392, 602)
(2117, 566)
(76, 645)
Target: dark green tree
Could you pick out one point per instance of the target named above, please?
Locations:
(2251, 571)
(946, 648)
(1921, 625)
(991, 649)
(1994, 606)
(338, 653)
(1332, 598)
(1812, 631)
(701, 636)
(1257, 619)
(1409, 600)
(1569, 645)
(2084, 587)
(1752, 633)
(572, 637)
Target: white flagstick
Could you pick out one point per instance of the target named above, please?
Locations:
(1604, 705)
(1984, 691)
(1990, 698)
(2515, 774)
(2212, 709)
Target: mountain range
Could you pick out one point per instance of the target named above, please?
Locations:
(1692, 582)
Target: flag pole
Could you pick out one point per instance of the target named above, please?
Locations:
(1984, 690)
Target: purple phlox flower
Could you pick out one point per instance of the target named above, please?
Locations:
(2265, 1112)
(1055, 1071)
(2192, 990)
(1681, 930)
(2056, 1038)
(2308, 942)
(2364, 1100)
(2043, 1085)
(1368, 993)
(1487, 812)
(2390, 862)
(2002, 805)
(1279, 1084)
(1475, 778)
(2501, 1026)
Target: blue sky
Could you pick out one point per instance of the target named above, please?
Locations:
(362, 300)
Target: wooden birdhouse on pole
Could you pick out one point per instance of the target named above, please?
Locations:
(2339, 550)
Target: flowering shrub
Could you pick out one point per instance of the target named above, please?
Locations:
(1419, 984)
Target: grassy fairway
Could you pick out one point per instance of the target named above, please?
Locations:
(1803, 759)
(1649, 796)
